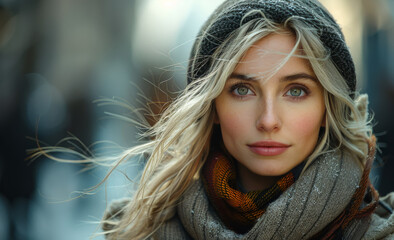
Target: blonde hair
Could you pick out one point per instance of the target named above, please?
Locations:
(181, 138)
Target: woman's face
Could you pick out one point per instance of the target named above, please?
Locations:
(270, 125)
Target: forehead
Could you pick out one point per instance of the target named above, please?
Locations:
(275, 52)
(276, 42)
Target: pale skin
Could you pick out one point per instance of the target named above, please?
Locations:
(270, 125)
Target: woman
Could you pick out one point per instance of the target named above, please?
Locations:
(269, 140)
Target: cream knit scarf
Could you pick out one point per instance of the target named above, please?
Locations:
(303, 210)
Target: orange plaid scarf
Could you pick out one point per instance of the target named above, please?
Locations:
(237, 210)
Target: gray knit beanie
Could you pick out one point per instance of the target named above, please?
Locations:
(229, 17)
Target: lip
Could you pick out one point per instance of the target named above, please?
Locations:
(268, 148)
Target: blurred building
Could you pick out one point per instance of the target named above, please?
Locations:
(378, 71)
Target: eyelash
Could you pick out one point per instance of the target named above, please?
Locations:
(303, 88)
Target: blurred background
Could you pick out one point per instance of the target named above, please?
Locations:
(58, 57)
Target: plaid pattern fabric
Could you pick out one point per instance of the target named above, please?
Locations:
(237, 210)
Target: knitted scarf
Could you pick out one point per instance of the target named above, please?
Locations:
(326, 202)
(333, 199)
(238, 211)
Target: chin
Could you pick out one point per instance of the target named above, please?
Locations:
(272, 171)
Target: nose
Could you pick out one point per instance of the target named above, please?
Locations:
(268, 118)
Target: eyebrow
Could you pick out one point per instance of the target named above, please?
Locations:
(291, 77)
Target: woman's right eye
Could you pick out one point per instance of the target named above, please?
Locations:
(241, 90)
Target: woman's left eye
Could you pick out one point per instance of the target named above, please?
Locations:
(296, 92)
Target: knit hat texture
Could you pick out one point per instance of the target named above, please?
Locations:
(229, 16)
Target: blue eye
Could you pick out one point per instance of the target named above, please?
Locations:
(296, 92)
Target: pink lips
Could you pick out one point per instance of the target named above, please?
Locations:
(268, 148)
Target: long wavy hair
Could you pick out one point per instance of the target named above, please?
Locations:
(181, 138)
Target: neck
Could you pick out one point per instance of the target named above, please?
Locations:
(251, 181)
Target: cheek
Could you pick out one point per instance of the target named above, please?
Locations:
(231, 124)
(307, 125)
(235, 120)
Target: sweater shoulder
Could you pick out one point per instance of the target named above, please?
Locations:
(172, 229)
